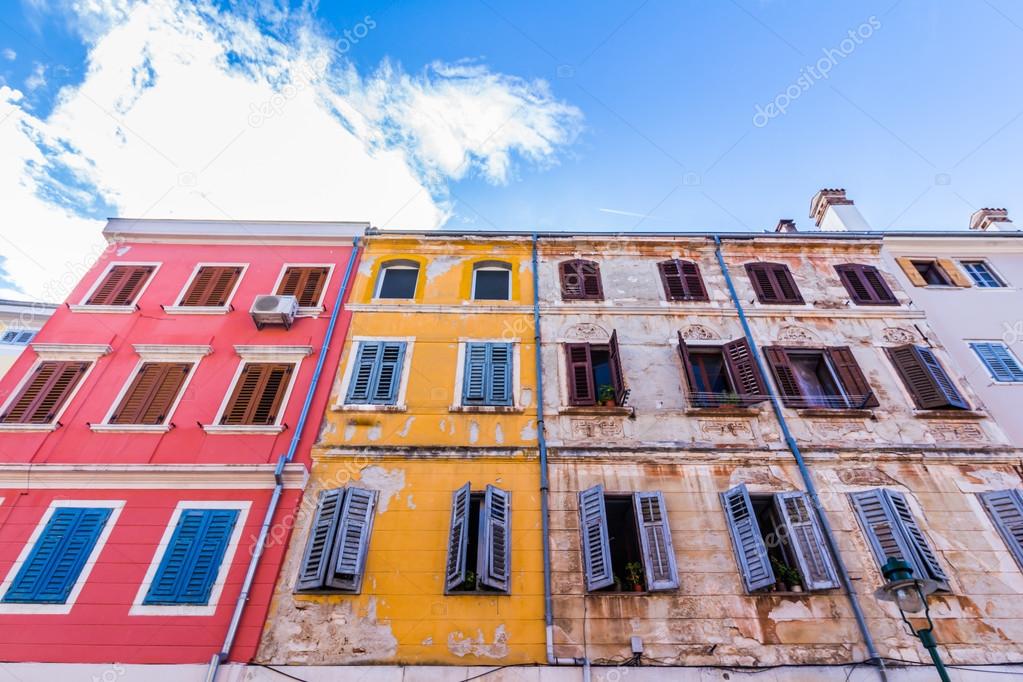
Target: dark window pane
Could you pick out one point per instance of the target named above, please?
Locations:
(398, 283)
(931, 273)
(492, 285)
(601, 368)
(816, 380)
(624, 540)
(710, 372)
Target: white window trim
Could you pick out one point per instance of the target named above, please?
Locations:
(516, 405)
(491, 268)
(210, 608)
(154, 353)
(82, 307)
(308, 311)
(346, 378)
(178, 309)
(247, 354)
(114, 505)
(55, 352)
(380, 282)
(969, 344)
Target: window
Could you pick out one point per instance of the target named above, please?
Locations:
(491, 281)
(925, 379)
(982, 274)
(306, 283)
(595, 374)
(1006, 510)
(626, 542)
(1001, 363)
(932, 273)
(211, 286)
(827, 378)
(580, 281)
(865, 284)
(397, 279)
(892, 531)
(335, 553)
(44, 394)
(682, 281)
(479, 543)
(721, 375)
(773, 283)
(487, 377)
(376, 374)
(121, 285)
(192, 559)
(792, 550)
(59, 555)
(258, 394)
(17, 337)
(942, 272)
(152, 393)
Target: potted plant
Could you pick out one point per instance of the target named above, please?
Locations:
(470, 583)
(634, 575)
(606, 395)
(618, 584)
(788, 579)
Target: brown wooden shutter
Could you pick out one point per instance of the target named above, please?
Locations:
(152, 393)
(742, 367)
(580, 280)
(122, 285)
(617, 375)
(687, 367)
(580, 374)
(925, 378)
(304, 283)
(773, 283)
(955, 275)
(258, 394)
(853, 380)
(912, 274)
(682, 281)
(211, 285)
(865, 284)
(784, 376)
(45, 392)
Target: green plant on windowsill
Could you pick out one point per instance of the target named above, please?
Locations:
(634, 575)
(788, 577)
(606, 395)
(470, 583)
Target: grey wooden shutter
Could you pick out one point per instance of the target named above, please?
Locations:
(352, 541)
(499, 374)
(313, 571)
(580, 374)
(754, 564)
(925, 378)
(893, 532)
(617, 374)
(458, 539)
(494, 560)
(655, 540)
(855, 383)
(784, 376)
(388, 375)
(917, 540)
(596, 545)
(1006, 510)
(474, 384)
(806, 539)
(747, 380)
(362, 372)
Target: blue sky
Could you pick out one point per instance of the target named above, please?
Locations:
(487, 114)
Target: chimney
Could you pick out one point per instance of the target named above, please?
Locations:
(991, 220)
(832, 211)
(786, 225)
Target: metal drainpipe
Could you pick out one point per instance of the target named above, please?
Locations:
(250, 574)
(541, 439)
(811, 489)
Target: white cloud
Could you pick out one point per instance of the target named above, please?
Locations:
(187, 111)
(9, 54)
(37, 78)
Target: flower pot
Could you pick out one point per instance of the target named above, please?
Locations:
(637, 588)
(796, 588)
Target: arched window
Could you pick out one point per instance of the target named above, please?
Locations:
(397, 279)
(491, 281)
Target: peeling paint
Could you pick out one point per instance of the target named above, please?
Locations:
(498, 434)
(408, 425)
(528, 431)
(373, 434)
(349, 431)
(409, 503)
(440, 265)
(474, 431)
(389, 482)
(461, 645)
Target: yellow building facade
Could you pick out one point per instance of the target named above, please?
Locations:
(432, 424)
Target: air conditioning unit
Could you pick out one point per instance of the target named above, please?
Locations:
(273, 309)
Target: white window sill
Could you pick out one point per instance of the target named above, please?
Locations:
(172, 610)
(255, 429)
(23, 428)
(131, 428)
(196, 309)
(495, 409)
(311, 311)
(122, 309)
(370, 408)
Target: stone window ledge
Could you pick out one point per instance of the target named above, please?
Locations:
(596, 410)
(723, 411)
(966, 415)
(487, 409)
(841, 413)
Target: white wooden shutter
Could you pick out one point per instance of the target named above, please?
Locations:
(494, 560)
(1006, 510)
(655, 539)
(458, 540)
(313, 570)
(595, 543)
(750, 551)
(806, 540)
(352, 542)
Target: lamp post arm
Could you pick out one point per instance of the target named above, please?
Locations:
(926, 636)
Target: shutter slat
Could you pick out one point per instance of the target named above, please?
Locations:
(211, 286)
(883, 529)
(596, 546)
(655, 540)
(258, 393)
(499, 374)
(1006, 510)
(773, 283)
(806, 538)
(151, 394)
(687, 369)
(747, 380)
(388, 374)
(458, 538)
(362, 373)
(682, 280)
(754, 563)
(319, 546)
(192, 560)
(580, 374)
(495, 539)
(304, 283)
(352, 540)
(999, 360)
(784, 376)
(925, 378)
(580, 280)
(853, 380)
(865, 284)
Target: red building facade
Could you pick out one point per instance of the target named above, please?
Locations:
(148, 428)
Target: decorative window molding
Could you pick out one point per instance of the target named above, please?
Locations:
(86, 352)
(273, 353)
(115, 507)
(159, 352)
(83, 307)
(180, 309)
(138, 608)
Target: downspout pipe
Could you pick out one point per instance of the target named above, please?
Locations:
(278, 490)
(811, 489)
(541, 439)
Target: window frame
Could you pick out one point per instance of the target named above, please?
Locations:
(459, 388)
(848, 271)
(581, 264)
(730, 365)
(139, 608)
(616, 370)
(771, 270)
(354, 346)
(313, 310)
(1000, 282)
(83, 307)
(179, 309)
(491, 266)
(115, 507)
(933, 263)
(772, 355)
(18, 332)
(396, 264)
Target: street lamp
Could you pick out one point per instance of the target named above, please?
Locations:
(910, 595)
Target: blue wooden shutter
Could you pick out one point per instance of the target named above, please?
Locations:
(499, 390)
(926, 557)
(54, 564)
(477, 366)
(1006, 510)
(806, 539)
(458, 538)
(318, 548)
(192, 559)
(388, 374)
(362, 373)
(352, 542)
(494, 557)
(596, 545)
(750, 551)
(1000, 362)
(655, 539)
